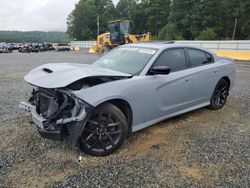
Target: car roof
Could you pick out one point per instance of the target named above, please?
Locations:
(164, 45)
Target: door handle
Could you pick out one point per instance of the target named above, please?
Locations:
(187, 79)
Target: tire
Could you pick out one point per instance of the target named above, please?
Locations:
(219, 97)
(103, 50)
(104, 132)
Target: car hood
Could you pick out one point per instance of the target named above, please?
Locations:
(58, 75)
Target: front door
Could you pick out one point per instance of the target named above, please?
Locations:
(169, 93)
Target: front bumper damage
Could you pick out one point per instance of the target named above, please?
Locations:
(64, 127)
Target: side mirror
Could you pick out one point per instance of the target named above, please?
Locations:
(160, 70)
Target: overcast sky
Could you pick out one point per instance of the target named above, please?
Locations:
(39, 15)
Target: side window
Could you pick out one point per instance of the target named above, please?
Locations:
(210, 58)
(173, 58)
(197, 57)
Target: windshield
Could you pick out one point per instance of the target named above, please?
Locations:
(114, 28)
(128, 60)
(125, 28)
(120, 27)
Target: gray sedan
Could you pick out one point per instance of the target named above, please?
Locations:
(128, 89)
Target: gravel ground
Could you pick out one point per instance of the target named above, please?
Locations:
(203, 148)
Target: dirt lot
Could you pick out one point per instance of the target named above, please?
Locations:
(203, 148)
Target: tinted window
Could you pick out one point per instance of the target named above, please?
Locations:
(210, 58)
(174, 59)
(197, 57)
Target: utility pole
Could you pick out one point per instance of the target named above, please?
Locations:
(98, 25)
(156, 22)
(235, 26)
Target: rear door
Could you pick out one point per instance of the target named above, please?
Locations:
(169, 93)
(204, 75)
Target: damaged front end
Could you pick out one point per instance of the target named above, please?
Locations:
(57, 113)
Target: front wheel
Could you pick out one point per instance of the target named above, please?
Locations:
(219, 97)
(104, 132)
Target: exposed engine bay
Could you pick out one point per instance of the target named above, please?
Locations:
(57, 113)
(61, 104)
(52, 104)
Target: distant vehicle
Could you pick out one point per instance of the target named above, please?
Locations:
(4, 49)
(45, 47)
(130, 88)
(48, 46)
(25, 49)
(28, 48)
(13, 46)
(34, 48)
(61, 47)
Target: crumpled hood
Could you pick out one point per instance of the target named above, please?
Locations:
(57, 75)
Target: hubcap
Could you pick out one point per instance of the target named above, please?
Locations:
(102, 132)
(221, 95)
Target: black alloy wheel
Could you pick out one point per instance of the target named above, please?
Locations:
(105, 131)
(220, 94)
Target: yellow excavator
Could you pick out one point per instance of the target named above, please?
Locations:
(119, 34)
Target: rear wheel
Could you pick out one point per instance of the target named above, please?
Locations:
(219, 97)
(105, 131)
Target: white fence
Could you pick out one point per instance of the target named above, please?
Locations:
(238, 45)
(82, 44)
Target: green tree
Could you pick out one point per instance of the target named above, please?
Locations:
(244, 21)
(124, 9)
(156, 12)
(207, 34)
(134, 11)
(106, 12)
(165, 19)
(146, 15)
(138, 17)
(167, 32)
(185, 18)
(82, 22)
(229, 10)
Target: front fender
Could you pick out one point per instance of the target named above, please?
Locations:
(133, 91)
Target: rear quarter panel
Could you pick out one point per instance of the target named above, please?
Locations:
(227, 68)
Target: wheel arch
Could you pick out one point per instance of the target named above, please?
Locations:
(125, 108)
(227, 80)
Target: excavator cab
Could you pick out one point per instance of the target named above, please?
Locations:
(118, 30)
(119, 33)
